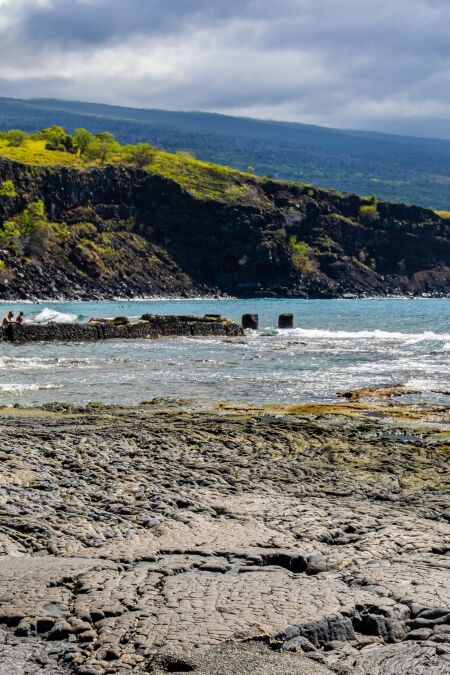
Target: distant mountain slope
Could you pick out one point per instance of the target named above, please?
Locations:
(412, 170)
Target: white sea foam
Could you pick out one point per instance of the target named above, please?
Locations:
(18, 388)
(46, 315)
(7, 362)
(313, 333)
(31, 363)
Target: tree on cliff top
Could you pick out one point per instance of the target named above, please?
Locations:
(57, 139)
(140, 155)
(15, 137)
(83, 138)
(102, 147)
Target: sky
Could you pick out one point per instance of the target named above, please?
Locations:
(382, 65)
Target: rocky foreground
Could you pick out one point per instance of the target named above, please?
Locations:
(189, 537)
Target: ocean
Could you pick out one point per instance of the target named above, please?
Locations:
(336, 346)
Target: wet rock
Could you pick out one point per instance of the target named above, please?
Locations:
(286, 321)
(150, 326)
(250, 321)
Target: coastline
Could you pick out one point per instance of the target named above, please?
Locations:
(333, 346)
(272, 239)
(217, 297)
(315, 535)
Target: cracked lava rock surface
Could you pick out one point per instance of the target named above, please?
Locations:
(224, 538)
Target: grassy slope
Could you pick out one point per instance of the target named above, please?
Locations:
(443, 214)
(397, 168)
(202, 179)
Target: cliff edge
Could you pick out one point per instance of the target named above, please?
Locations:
(117, 231)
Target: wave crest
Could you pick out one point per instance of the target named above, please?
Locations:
(46, 315)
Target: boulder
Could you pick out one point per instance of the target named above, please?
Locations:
(250, 321)
(286, 321)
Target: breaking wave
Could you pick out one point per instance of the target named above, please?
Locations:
(378, 334)
(46, 315)
(15, 388)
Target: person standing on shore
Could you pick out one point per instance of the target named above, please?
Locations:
(9, 318)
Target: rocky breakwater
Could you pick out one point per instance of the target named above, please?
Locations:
(148, 326)
(225, 538)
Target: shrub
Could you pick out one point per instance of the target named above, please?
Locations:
(28, 231)
(96, 257)
(7, 189)
(84, 231)
(327, 243)
(368, 208)
(301, 254)
(15, 137)
(10, 236)
(370, 205)
(140, 155)
(58, 139)
(362, 254)
(237, 192)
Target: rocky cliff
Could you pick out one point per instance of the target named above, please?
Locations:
(126, 232)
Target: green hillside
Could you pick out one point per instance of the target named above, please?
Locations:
(203, 180)
(411, 170)
(82, 215)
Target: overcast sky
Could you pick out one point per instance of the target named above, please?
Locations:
(369, 64)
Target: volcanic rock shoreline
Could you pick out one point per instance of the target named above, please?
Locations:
(186, 536)
(130, 233)
(148, 326)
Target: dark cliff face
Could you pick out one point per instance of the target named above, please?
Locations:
(132, 233)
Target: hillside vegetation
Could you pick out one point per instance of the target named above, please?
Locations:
(84, 216)
(398, 168)
(201, 179)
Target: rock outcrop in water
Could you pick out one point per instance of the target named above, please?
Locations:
(149, 326)
(177, 537)
(133, 233)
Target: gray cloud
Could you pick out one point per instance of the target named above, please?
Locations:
(375, 64)
(77, 23)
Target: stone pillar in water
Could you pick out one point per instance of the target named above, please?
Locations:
(286, 321)
(250, 321)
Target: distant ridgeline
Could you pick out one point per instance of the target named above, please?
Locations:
(398, 168)
(82, 216)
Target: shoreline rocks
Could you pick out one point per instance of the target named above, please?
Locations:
(149, 326)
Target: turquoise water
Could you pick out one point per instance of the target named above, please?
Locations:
(336, 345)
